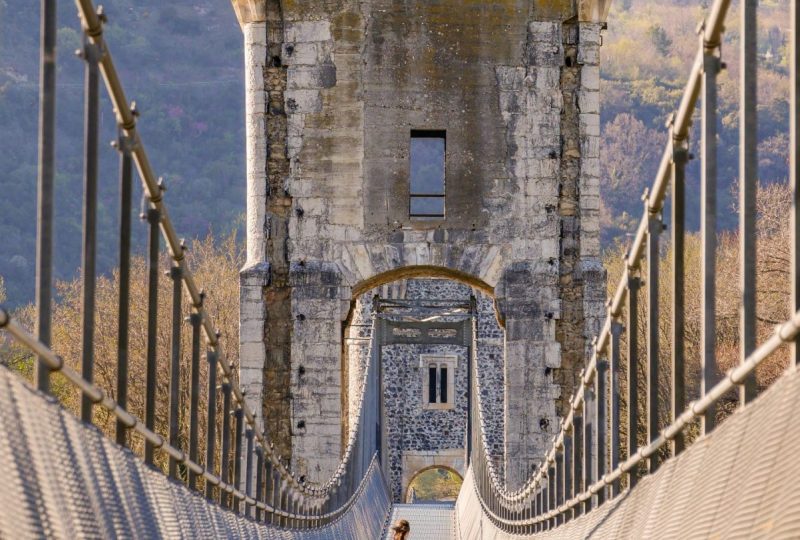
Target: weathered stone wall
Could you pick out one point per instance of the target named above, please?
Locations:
(514, 84)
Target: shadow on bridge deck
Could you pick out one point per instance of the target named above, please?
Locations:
(741, 481)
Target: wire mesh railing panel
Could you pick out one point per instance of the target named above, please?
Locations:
(739, 481)
(63, 479)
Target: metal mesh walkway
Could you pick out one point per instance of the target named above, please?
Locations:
(63, 479)
(427, 521)
(738, 482)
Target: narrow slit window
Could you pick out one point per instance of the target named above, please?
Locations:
(432, 384)
(443, 385)
(427, 189)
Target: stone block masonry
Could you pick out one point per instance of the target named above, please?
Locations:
(514, 84)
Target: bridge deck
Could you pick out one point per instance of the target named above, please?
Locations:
(63, 479)
(741, 481)
(428, 521)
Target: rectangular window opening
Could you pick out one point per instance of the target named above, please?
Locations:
(427, 167)
(443, 385)
(432, 384)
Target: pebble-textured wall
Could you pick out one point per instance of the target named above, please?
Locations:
(410, 427)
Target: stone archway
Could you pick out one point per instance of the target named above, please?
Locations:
(416, 464)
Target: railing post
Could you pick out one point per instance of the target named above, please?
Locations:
(577, 461)
(589, 413)
(616, 331)
(44, 184)
(259, 481)
(748, 179)
(226, 442)
(269, 489)
(678, 386)
(237, 453)
(559, 484)
(708, 228)
(194, 394)
(567, 487)
(176, 274)
(91, 55)
(551, 493)
(124, 145)
(654, 228)
(211, 422)
(601, 396)
(248, 474)
(284, 503)
(794, 166)
(634, 283)
(153, 218)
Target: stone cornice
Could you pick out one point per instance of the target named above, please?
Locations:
(250, 11)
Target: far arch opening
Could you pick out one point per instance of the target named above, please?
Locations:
(423, 330)
(437, 483)
(421, 272)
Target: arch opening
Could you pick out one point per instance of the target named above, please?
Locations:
(437, 483)
(424, 332)
(422, 271)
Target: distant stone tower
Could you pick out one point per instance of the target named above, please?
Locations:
(391, 139)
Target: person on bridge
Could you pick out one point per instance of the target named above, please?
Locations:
(401, 529)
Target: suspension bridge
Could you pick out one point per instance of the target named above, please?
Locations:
(63, 476)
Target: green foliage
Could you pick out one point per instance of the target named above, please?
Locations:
(435, 484)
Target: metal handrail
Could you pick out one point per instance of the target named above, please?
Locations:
(547, 498)
(126, 119)
(785, 333)
(655, 197)
(101, 398)
(293, 501)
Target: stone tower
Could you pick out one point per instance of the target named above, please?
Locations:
(338, 94)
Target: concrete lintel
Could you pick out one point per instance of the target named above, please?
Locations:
(250, 11)
(595, 11)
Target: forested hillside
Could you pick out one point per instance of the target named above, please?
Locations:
(182, 63)
(646, 57)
